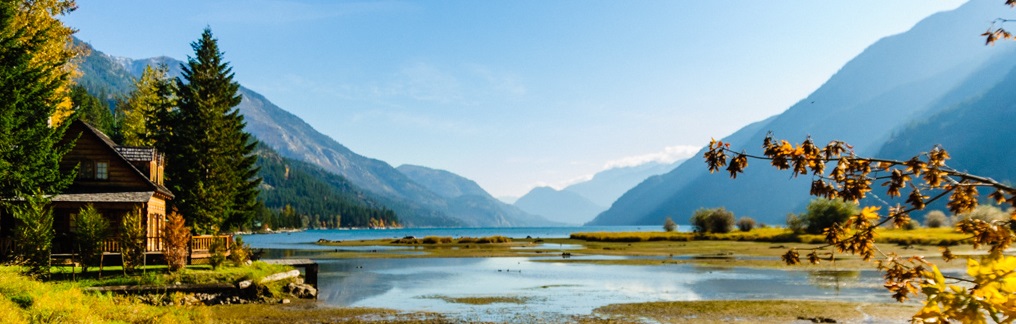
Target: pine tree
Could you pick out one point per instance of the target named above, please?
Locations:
(92, 110)
(30, 152)
(141, 113)
(211, 167)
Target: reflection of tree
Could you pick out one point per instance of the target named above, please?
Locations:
(834, 279)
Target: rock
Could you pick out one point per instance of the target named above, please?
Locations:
(285, 301)
(280, 276)
(301, 290)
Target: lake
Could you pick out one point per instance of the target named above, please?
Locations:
(547, 286)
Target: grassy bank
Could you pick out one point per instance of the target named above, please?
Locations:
(26, 300)
(921, 236)
(752, 311)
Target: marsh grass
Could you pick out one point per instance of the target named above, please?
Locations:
(752, 311)
(920, 236)
(310, 312)
(482, 300)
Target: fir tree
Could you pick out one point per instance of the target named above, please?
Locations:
(30, 152)
(141, 113)
(92, 110)
(212, 163)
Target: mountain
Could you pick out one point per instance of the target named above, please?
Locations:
(467, 198)
(293, 138)
(441, 182)
(939, 63)
(559, 205)
(581, 202)
(979, 134)
(608, 185)
(306, 193)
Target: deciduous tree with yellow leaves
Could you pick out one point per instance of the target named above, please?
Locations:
(989, 288)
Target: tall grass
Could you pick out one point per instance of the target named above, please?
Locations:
(25, 300)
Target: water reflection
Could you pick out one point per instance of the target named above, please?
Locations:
(567, 287)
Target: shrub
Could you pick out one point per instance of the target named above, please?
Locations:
(132, 241)
(715, 220)
(823, 213)
(669, 225)
(987, 213)
(437, 240)
(217, 251)
(935, 219)
(92, 229)
(745, 224)
(467, 240)
(176, 238)
(912, 225)
(33, 234)
(239, 252)
(493, 239)
(796, 223)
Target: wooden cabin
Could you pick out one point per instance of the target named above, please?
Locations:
(116, 180)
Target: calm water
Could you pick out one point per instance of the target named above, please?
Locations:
(551, 288)
(306, 239)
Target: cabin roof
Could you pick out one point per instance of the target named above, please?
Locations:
(133, 197)
(134, 153)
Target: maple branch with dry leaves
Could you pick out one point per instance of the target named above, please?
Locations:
(838, 173)
(994, 34)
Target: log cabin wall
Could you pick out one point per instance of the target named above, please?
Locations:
(99, 165)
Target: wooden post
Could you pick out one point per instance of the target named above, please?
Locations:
(311, 274)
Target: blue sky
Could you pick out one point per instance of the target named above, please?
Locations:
(515, 94)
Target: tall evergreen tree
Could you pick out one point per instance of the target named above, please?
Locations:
(92, 110)
(29, 147)
(211, 167)
(141, 113)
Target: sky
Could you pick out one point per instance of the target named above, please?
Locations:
(516, 94)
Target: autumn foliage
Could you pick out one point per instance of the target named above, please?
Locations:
(989, 288)
(176, 238)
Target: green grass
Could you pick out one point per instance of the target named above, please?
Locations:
(25, 300)
(487, 300)
(921, 236)
(751, 311)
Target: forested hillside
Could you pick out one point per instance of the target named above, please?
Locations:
(303, 195)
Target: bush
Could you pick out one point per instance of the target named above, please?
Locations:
(217, 251)
(176, 238)
(437, 240)
(132, 241)
(745, 224)
(796, 223)
(493, 239)
(935, 219)
(669, 225)
(986, 213)
(912, 225)
(33, 234)
(715, 220)
(823, 213)
(92, 229)
(239, 252)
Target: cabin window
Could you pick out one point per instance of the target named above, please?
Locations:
(86, 170)
(102, 170)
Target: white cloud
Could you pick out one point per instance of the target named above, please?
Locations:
(669, 154)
